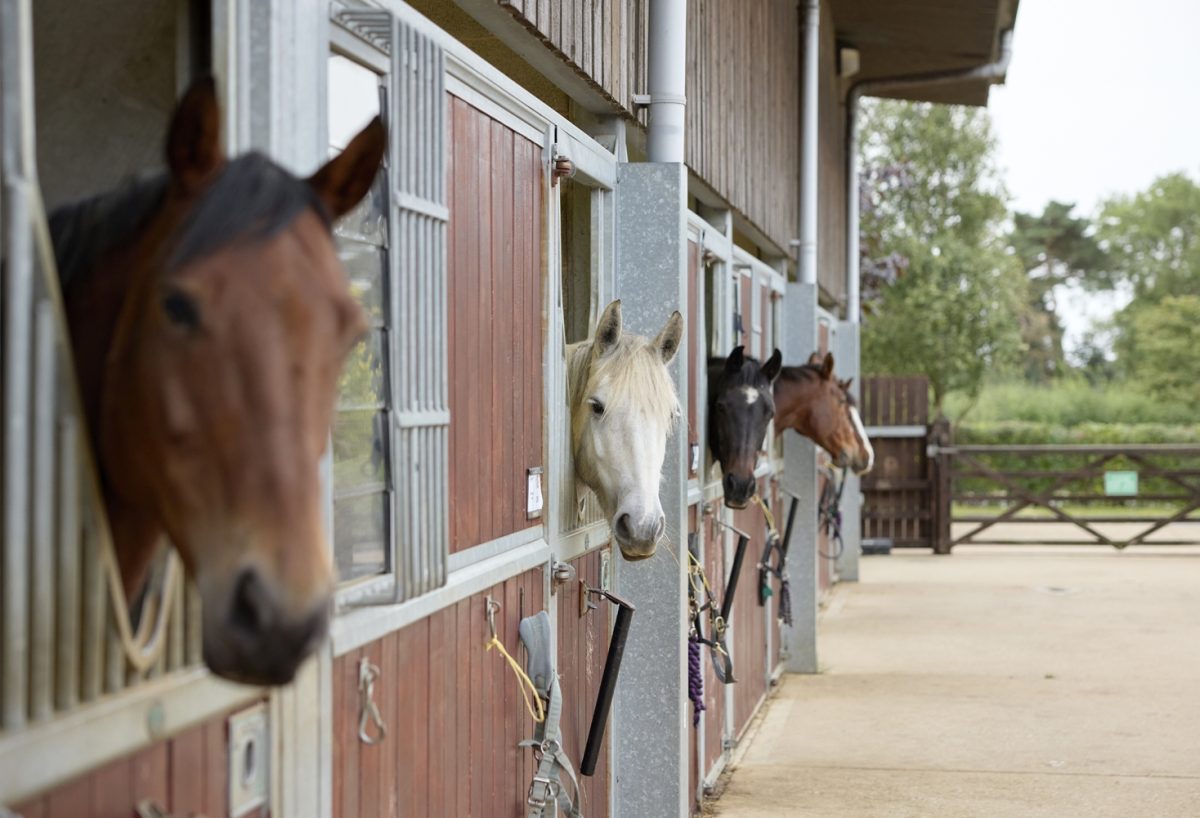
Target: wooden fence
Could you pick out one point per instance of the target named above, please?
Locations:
(927, 492)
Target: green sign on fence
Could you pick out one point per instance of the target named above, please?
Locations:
(1121, 483)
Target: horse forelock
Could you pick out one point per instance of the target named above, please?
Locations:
(631, 375)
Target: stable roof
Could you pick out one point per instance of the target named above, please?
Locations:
(903, 37)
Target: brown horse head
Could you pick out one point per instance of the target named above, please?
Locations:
(210, 317)
(810, 400)
(740, 407)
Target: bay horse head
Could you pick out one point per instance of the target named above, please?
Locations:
(623, 408)
(740, 407)
(210, 317)
(812, 401)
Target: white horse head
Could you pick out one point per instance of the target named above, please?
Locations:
(623, 408)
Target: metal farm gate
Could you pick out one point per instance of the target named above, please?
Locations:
(928, 491)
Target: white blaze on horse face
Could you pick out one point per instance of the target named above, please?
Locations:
(626, 447)
(751, 394)
(863, 439)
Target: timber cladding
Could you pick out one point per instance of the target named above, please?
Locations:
(495, 324)
(695, 287)
(743, 69)
(453, 712)
(185, 775)
(712, 720)
(742, 137)
(831, 170)
(898, 491)
(582, 651)
(748, 621)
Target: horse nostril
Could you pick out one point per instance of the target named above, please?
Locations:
(622, 529)
(249, 599)
(662, 527)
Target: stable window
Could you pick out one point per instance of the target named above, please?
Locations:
(389, 462)
(585, 260)
(362, 468)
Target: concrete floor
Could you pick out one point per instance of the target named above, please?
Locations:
(996, 682)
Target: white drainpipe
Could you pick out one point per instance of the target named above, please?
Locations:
(809, 129)
(667, 73)
(993, 72)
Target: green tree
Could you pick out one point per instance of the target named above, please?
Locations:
(1167, 337)
(1055, 248)
(1153, 238)
(932, 198)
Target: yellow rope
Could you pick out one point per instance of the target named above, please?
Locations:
(767, 514)
(523, 681)
(143, 647)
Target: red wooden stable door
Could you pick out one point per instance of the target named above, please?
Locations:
(496, 188)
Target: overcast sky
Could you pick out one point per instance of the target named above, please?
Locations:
(1102, 97)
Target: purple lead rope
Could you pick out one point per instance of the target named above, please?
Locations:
(695, 679)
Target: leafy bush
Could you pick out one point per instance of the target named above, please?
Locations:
(1068, 403)
(1019, 432)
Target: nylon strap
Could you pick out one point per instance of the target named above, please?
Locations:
(547, 793)
(698, 585)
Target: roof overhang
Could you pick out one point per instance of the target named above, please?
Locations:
(896, 38)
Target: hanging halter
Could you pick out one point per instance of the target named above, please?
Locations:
(829, 512)
(776, 547)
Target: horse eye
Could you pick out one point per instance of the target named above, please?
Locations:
(597, 407)
(181, 310)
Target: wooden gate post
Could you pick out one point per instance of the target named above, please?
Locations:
(941, 485)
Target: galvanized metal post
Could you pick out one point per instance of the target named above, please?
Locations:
(799, 480)
(846, 357)
(651, 720)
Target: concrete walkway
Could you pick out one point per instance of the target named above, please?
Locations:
(1022, 682)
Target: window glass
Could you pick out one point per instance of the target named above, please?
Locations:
(362, 508)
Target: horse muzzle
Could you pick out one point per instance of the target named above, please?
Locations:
(254, 639)
(738, 489)
(637, 535)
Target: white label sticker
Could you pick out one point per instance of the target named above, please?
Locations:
(695, 456)
(533, 493)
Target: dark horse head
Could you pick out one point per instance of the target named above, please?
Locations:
(740, 406)
(210, 317)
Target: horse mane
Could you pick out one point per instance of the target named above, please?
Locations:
(632, 370)
(804, 372)
(251, 198)
(809, 372)
(745, 376)
(85, 231)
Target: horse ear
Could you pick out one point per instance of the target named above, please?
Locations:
(733, 363)
(773, 365)
(846, 383)
(194, 136)
(815, 358)
(827, 366)
(667, 342)
(345, 179)
(608, 330)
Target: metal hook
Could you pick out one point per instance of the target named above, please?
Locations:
(585, 604)
(493, 607)
(732, 528)
(369, 711)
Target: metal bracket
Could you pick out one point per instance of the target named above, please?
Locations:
(560, 574)
(646, 100)
(585, 604)
(249, 761)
